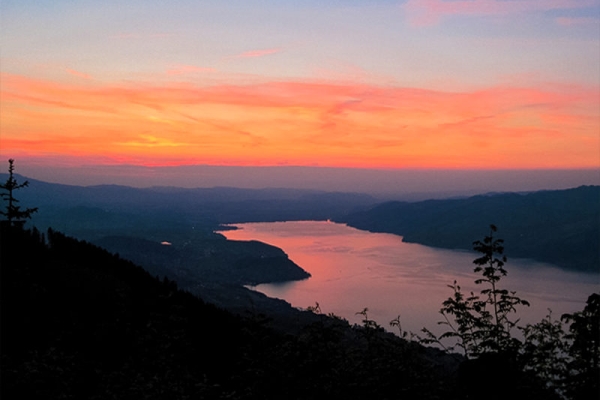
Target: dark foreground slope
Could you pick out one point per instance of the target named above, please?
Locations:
(80, 323)
(561, 227)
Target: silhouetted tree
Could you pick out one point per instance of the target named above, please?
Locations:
(547, 364)
(15, 216)
(583, 379)
(500, 301)
(481, 324)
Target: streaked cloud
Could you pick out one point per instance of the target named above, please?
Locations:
(486, 84)
(188, 69)
(430, 12)
(258, 53)
(578, 21)
(78, 73)
(140, 36)
(303, 123)
(151, 141)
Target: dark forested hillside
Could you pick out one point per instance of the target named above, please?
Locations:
(561, 227)
(80, 323)
(209, 260)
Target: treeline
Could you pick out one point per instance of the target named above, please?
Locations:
(78, 322)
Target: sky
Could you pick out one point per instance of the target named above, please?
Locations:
(99, 92)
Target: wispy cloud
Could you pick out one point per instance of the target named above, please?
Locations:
(188, 69)
(150, 141)
(138, 36)
(577, 21)
(78, 73)
(258, 53)
(304, 123)
(430, 12)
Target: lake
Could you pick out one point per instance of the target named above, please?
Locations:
(353, 269)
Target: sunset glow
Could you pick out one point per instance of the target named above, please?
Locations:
(301, 123)
(513, 97)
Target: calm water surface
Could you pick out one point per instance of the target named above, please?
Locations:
(353, 269)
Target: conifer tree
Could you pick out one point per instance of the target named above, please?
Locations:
(15, 216)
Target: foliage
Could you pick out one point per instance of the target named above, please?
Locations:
(481, 323)
(398, 324)
(583, 378)
(78, 322)
(502, 302)
(544, 351)
(15, 216)
(566, 362)
(548, 362)
(368, 324)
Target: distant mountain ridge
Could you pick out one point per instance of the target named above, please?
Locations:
(219, 204)
(561, 227)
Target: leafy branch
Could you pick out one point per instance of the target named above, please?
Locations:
(480, 323)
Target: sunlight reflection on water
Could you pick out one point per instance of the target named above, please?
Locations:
(353, 269)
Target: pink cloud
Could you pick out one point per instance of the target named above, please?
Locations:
(567, 21)
(258, 53)
(142, 36)
(188, 69)
(429, 12)
(303, 123)
(78, 74)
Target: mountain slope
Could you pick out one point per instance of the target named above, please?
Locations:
(561, 227)
(204, 206)
(80, 323)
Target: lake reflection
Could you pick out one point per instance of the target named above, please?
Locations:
(353, 269)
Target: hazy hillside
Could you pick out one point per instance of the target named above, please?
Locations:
(203, 206)
(561, 227)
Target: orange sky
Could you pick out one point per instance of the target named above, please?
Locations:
(300, 123)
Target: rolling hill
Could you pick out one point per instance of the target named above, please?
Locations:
(561, 227)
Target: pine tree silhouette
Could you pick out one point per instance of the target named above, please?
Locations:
(15, 216)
